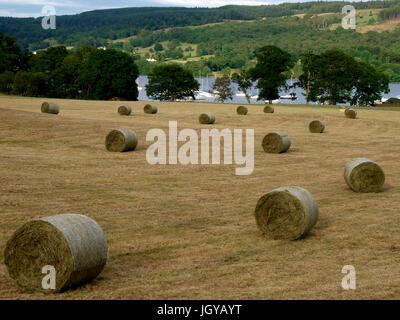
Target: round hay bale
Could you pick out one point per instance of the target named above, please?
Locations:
(49, 107)
(316, 126)
(242, 110)
(269, 109)
(350, 113)
(207, 118)
(364, 175)
(276, 142)
(124, 110)
(286, 213)
(120, 140)
(74, 244)
(150, 109)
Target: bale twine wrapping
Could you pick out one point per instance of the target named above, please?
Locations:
(269, 109)
(48, 107)
(120, 140)
(276, 142)
(124, 110)
(149, 108)
(207, 118)
(364, 175)
(242, 110)
(350, 113)
(316, 126)
(286, 213)
(74, 244)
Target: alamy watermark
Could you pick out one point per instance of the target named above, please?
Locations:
(49, 17)
(189, 152)
(349, 280)
(349, 20)
(49, 281)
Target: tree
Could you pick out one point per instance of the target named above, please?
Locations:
(308, 75)
(171, 82)
(223, 86)
(9, 54)
(21, 83)
(369, 84)
(243, 80)
(107, 74)
(271, 71)
(6, 82)
(333, 80)
(158, 47)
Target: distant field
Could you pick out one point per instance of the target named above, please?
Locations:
(188, 232)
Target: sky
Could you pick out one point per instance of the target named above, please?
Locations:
(33, 8)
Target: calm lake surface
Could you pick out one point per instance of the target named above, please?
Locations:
(207, 83)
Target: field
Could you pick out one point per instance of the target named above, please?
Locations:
(188, 232)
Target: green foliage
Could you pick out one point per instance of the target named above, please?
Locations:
(171, 82)
(107, 74)
(271, 71)
(9, 54)
(6, 82)
(21, 83)
(223, 86)
(244, 82)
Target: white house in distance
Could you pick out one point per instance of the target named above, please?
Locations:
(151, 60)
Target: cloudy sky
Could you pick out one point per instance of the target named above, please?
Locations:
(33, 8)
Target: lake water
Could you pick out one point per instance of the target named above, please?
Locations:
(207, 83)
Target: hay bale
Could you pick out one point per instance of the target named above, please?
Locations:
(207, 118)
(350, 113)
(124, 110)
(120, 140)
(316, 126)
(49, 107)
(75, 245)
(151, 109)
(286, 213)
(276, 142)
(242, 110)
(364, 175)
(269, 109)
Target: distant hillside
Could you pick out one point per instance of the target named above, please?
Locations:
(103, 25)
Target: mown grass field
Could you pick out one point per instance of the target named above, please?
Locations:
(188, 232)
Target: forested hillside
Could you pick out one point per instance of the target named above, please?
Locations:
(211, 40)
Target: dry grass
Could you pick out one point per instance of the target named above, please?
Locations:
(179, 232)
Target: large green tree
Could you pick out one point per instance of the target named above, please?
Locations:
(9, 54)
(171, 82)
(222, 86)
(243, 80)
(107, 74)
(271, 71)
(6, 82)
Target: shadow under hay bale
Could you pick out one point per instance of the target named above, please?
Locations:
(150, 109)
(74, 244)
(124, 110)
(316, 126)
(286, 213)
(120, 140)
(269, 109)
(350, 113)
(48, 107)
(276, 142)
(207, 118)
(364, 175)
(242, 110)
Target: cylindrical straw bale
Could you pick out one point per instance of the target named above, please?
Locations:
(73, 244)
(286, 213)
(276, 142)
(350, 113)
(269, 109)
(151, 109)
(121, 140)
(242, 110)
(207, 118)
(316, 126)
(49, 107)
(364, 175)
(124, 110)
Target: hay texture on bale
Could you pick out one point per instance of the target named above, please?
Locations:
(150, 109)
(350, 113)
(242, 110)
(48, 107)
(120, 140)
(269, 109)
(316, 126)
(207, 118)
(276, 142)
(286, 213)
(364, 175)
(124, 110)
(74, 244)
